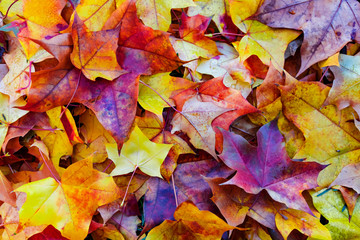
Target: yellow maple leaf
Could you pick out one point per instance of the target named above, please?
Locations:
(138, 152)
(157, 14)
(65, 204)
(267, 43)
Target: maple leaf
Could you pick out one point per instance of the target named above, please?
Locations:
(49, 233)
(165, 86)
(141, 50)
(228, 66)
(189, 184)
(255, 232)
(213, 104)
(195, 119)
(6, 189)
(107, 232)
(25, 124)
(324, 34)
(191, 222)
(219, 12)
(10, 220)
(153, 129)
(150, 124)
(156, 14)
(331, 205)
(350, 197)
(9, 114)
(138, 152)
(345, 86)
(94, 52)
(302, 105)
(69, 197)
(101, 96)
(266, 43)
(233, 202)
(348, 177)
(276, 169)
(240, 10)
(290, 219)
(95, 137)
(192, 43)
(16, 82)
(38, 25)
(95, 14)
(57, 142)
(268, 97)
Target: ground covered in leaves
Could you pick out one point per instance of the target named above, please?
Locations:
(188, 119)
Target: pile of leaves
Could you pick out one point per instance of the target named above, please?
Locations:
(186, 119)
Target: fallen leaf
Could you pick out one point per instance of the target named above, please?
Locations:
(95, 137)
(219, 12)
(330, 138)
(70, 197)
(99, 96)
(345, 86)
(195, 120)
(189, 184)
(7, 195)
(139, 49)
(160, 86)
(233, 202)
(138, 152)
(290, 219)
(277, 171)
(330, 204)
(266, 43)
(191, 223)
(157, 14)
(9, 114)
(16, 82)
(94, 52)
(348, 177)
(324, 34)
(94, 14)
(57, 142)
(192, 43)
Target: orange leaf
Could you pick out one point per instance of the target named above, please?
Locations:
(141, 49)
(65, 204)
(94, 52)
(191, 224)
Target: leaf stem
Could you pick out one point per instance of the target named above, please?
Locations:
(173, 184)
(128, 186)
(321, 79)
(126, 192)
(52, 173)
(107, 167)
(170, 105)
(28, 78)
(7, 12)
(73, 95)
(225, 33)
(187, 119)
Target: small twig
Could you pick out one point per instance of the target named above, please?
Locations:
(225, 33)
(321, 79)
(173, 184)
(107, 167)
(7, 12)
